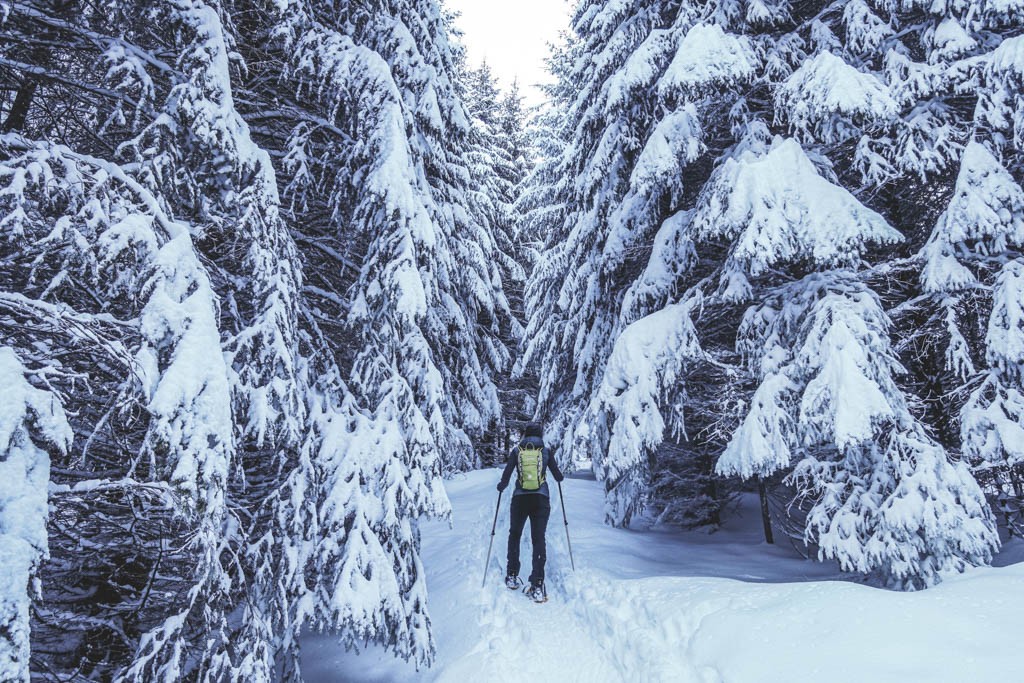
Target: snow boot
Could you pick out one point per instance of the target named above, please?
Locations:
(513, 582)
(536, 592)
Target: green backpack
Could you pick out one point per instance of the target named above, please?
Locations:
(531, 467)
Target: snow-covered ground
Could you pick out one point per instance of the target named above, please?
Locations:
(650, 605)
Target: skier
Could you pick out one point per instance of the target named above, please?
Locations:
(531, 500)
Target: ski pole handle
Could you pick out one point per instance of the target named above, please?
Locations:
(490, 545)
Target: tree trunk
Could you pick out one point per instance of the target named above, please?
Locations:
(39, 55)
(766, 516)
(19, 110)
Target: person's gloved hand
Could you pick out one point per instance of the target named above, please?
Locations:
(559, 477)
(501, 487)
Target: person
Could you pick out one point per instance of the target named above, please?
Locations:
(530, 500)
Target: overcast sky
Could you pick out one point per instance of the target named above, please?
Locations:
(513, 36)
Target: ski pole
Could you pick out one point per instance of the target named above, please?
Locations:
(491, 544)
(565, 519)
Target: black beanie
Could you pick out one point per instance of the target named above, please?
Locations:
(534, 429)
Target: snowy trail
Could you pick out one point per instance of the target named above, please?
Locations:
(509, 624)
(651, 605)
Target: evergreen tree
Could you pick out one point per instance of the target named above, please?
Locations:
(967, 265)
(118, 290)
(992, 420)
(573, 297)
(515, 140)
(499, 165)
(884, 498)
(199, 143)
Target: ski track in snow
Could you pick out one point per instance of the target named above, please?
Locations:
(653, 605)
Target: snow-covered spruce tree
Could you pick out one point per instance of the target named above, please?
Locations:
(497, 167)
(519, 394)
(199, 156)
(884, 497)
(307, 573)
(399, 208)
(841, 95)
(371, 135)
(513, 125)
(630, 146)
(499, 163)
(580, 199)
(368, 581)
(31, 420)
(541, 200)
(153, 406)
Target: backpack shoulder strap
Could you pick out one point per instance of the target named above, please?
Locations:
(519, 464)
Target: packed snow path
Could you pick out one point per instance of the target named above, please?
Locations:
(648, 605)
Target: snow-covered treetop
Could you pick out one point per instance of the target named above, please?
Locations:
(777, 208)
(765, 13)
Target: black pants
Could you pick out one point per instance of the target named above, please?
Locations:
(537, 508)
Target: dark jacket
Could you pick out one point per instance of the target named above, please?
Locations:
(512, 464)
